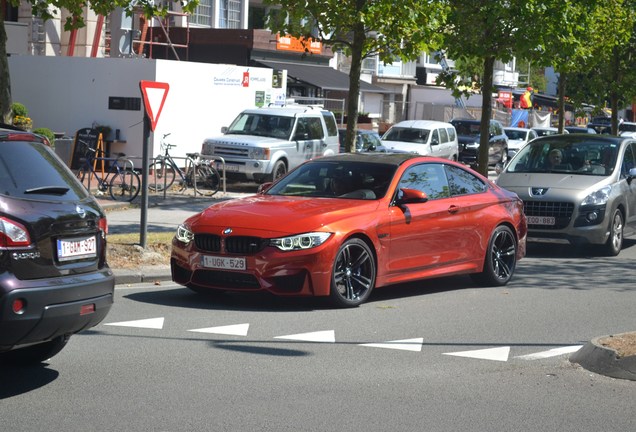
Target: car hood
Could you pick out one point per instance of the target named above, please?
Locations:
(513, 143)
(522, 183)
(466, 139)
(271, 216)
(243, 139)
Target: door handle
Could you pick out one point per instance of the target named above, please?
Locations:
(453, 209)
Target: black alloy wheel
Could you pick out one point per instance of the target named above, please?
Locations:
(500, 260)
(353, 274)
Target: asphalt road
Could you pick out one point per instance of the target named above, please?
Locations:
(438, 355)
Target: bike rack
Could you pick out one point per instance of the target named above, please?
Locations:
(125, 163)
(220, 159)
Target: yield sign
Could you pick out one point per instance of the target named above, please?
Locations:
(154, 94)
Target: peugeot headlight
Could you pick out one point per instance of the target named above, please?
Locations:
(599, 197)
(300, 241)
(184, 234)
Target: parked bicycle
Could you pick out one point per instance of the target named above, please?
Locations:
(199, 174)
(120, 180)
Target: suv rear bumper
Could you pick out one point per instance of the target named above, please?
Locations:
(54, 307)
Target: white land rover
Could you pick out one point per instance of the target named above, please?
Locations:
(262, 144)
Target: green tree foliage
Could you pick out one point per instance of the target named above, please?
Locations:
(478, 32)
(51, 8)
(361, 29)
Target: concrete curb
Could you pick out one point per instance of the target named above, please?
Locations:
(143, 275)
(605, 361)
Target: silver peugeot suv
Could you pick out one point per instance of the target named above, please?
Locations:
(577, 189)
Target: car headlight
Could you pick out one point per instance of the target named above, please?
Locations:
(259, 153)
(184, 234)
(300, 241)
(599, 197)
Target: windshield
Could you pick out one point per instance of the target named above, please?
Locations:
(585, 157)
(466, 128)
(411, 135)
(516, 134)
(336, 179)
(272, 126)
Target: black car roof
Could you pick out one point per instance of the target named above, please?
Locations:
(383, 158)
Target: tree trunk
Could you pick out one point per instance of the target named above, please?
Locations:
(614, 96)
(486, 114)
(563, 77)
(5, 82)
(359, 37)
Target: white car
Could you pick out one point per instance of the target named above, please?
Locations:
(545, 131)
(517, 138)
(424, 137)
(627, 129)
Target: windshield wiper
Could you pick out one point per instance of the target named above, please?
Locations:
(48, 190)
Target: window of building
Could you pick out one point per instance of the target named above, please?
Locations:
(230, 14)
(203, 14)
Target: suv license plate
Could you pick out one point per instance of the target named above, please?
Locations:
(224, 263)
(540, 220)
(228, 167)
(71, 249)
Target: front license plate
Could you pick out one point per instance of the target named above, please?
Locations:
(228, 167)
(541, 220)
(224, 263)
(70, 249)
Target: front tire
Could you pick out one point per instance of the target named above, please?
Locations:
(353, 274)
(614, 243)
(125, 185)
(280, 169)
(500, 260)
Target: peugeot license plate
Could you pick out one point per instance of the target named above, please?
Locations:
(224, 263)
(541, 220)
(70, 249)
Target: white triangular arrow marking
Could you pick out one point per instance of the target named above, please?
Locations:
(234, 330)
(155, 97)
(404, 344)
(551, 353)
(497, 354)
(319, 336)
(151, 323)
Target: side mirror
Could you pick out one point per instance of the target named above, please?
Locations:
(631, 175)
(301, 136)
(410, 196)
(262, 188)
(434, 142)
(224, 129)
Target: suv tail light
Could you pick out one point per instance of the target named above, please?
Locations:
(13, 234)
(103, 225)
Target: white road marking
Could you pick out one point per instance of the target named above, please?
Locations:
(319, 336)
(496, 354)
(404, 344)
(234, 330)
(551, 353)
(151, 323)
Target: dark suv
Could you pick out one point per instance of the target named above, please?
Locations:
(54, 279)
(468, 137)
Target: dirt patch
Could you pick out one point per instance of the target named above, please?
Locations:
(132, 256)
(624, 344)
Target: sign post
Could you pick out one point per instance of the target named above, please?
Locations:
(154, 95)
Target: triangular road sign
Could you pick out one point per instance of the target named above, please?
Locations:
(154, 94)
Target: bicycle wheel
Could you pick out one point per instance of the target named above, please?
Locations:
(125, 185)
(160, 175)
(208, 180)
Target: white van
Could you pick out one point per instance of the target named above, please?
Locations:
(425, 137)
